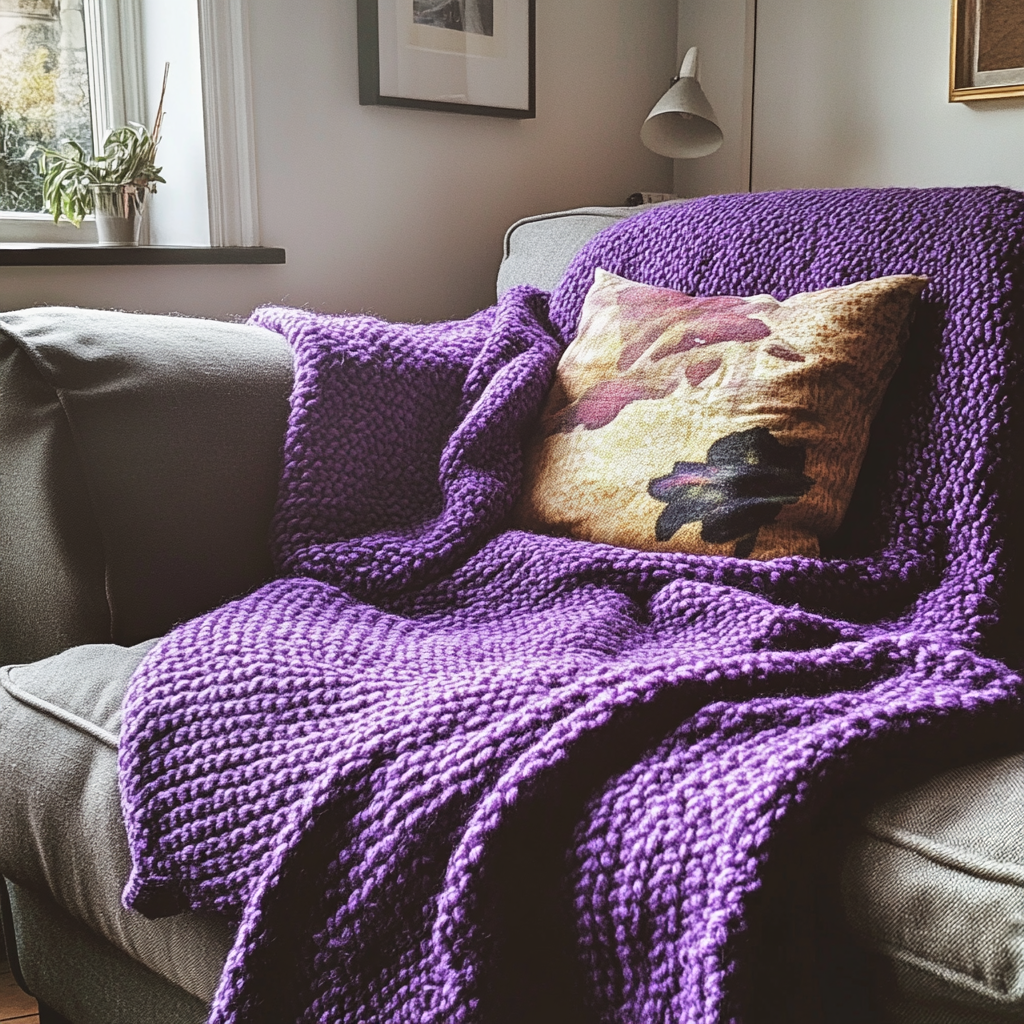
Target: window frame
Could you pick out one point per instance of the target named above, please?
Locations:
(39, 228)
(228, 122)
(114, 44)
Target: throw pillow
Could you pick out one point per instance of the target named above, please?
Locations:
(721, 425)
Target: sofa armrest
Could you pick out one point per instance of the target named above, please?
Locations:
(539, 248)
(139, 460)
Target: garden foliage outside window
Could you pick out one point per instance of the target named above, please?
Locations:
(44, 92)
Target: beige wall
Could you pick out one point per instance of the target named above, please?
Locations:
(853, 92)
(723, 32)
(402, 212)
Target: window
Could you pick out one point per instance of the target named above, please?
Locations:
(76, 68)
(44, 97)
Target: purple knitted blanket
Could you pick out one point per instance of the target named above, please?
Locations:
(444, 773)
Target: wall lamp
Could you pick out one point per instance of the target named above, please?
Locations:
(682, 123)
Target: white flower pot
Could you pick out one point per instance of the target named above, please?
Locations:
(119, 210)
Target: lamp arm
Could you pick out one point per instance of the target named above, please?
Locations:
(691, 66)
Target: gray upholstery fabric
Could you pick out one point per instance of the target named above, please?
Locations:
(934, 885)
(61, 830)
(139, 460)
(51, 550)
(538, 249)
(85, 980)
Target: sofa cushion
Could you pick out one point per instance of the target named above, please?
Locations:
(61, 829)
(83, 977)
(139, 461)
(934, 886)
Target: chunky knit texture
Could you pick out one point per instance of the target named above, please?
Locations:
(443, 773)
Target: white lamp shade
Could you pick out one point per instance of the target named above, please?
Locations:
(682, 123)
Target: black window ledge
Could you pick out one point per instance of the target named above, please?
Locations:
(33, 254)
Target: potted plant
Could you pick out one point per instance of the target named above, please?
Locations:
(113, 184)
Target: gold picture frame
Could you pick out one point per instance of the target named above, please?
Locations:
(986, 51)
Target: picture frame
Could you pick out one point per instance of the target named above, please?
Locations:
(986, 59)
(465, 56)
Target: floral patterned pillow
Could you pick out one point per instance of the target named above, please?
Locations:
(720, 425)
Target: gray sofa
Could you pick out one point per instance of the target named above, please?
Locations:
(138, 467)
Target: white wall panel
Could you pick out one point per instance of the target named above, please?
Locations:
(854, 92)
(723, 32)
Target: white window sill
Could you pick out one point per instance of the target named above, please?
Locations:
(39, 229)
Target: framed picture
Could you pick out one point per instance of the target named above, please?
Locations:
(469, 56)
(986, 50)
